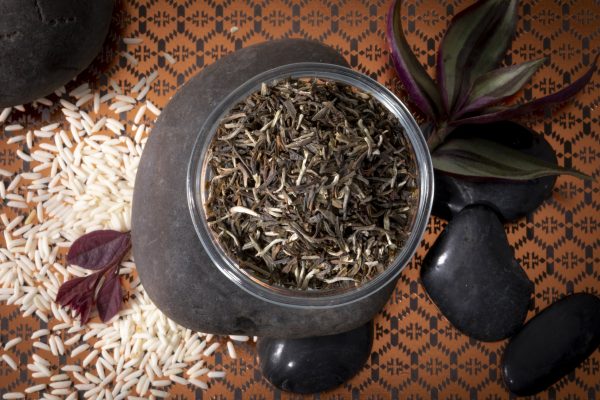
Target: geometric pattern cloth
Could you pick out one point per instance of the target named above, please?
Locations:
(417, 354)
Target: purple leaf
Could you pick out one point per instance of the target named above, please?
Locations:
(419, 85)
(109, 296)
(499, 84)
(78, 294)
(99, 249)
(518, 110)
(474, 43)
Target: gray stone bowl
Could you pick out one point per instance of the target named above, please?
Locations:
(174, 267)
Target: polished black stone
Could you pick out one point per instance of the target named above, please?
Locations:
(46, 43)
(552, 344)
(175, 270)
(512, 199)
(470, 273)
(314, 364)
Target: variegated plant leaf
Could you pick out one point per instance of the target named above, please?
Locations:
(503, 113)
(497, 85)
(486, 159)
(422, 90)
(474, 43)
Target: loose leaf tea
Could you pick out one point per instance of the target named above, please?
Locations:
(313, 185)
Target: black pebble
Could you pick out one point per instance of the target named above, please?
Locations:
(315, 364)
(46, 43)
(511, 199)
(470, 273)
(552, 344)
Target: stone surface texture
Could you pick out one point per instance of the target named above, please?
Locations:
(552, 344)
(46, 43)
(315, 364)
(175, 271)
(471, 274)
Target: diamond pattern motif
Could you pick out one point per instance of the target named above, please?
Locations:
(417, 353)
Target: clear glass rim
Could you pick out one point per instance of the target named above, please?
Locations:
(310, 298)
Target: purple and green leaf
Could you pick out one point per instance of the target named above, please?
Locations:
(485, 159)
(474, 43)
(499, 84)
(470, 85)
(420, 87)
(503, 113)
(494, 46)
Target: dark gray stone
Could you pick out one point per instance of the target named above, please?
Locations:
(315, 364)
(174, 268)
(45, 43)
(470, 273)
(552, 344)
(511, 199)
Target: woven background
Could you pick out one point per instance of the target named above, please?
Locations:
(417, 354)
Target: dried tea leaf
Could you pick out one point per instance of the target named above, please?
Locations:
(298, 194)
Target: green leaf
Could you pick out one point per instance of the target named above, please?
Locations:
(502, 113)
(496, 44)
(475, 42)
(419, 85)
(497, 85)
(485, 159)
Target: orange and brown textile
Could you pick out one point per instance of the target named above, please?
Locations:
(417, 354)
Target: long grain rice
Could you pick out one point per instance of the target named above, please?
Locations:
(7, 359)
(13, 395)
(130, 58)
(132, 40)
(170, 59)
(152, 108)
(35, 388)
(13, 342)
(81, 179)
(13, 128)
(15, 139)
(231, 350)
(216, 374)
(4, 114)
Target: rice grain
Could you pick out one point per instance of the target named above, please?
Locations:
(11, 363)
(13, 395)
(13, 342)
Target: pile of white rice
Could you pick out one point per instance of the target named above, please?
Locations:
(79, 177)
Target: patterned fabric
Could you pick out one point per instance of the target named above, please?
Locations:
(417, 354)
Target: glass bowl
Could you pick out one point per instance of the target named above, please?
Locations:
(198, 176)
